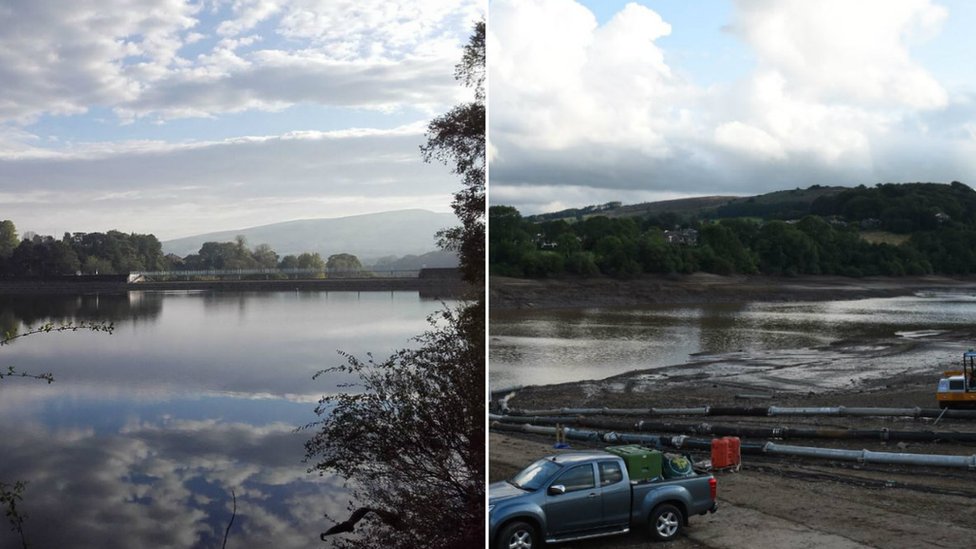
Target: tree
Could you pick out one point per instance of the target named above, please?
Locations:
(311, 261)
(8, 238)
(412, 441)
(458, 139)
(407, 442)
(265, 257)
(342, 263)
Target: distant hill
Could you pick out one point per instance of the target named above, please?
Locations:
(681, 206)
(889, 229)
(789, 204)
(431, 260)
(369, 236)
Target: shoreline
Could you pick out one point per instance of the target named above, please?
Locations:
(507, 293)
(429, 287)
(792, 501)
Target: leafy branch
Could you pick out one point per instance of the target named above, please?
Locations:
(9, 496)
(11, 371)
(49, 327)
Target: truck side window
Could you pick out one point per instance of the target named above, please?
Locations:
(578, 478)
(610, 473)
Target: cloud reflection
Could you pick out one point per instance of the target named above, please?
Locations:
(166, 484)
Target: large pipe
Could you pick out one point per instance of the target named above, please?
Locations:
(867, 456)
(777, 432)
(755, 411)
(861, 456)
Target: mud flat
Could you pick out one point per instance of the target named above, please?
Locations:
(796, 502)
(517, 293)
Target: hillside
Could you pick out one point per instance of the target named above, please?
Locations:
(368, 236)
(891, 229)
(786, 204)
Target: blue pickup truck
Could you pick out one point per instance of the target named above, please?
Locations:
(588, 494)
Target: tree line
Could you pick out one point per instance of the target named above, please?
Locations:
(115, 252)
(938, 224)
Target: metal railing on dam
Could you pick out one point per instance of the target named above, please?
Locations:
(433, 283)
(268, 274)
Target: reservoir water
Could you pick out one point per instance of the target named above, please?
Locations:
(145, 432)
(537, 347)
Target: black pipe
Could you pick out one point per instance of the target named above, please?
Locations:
(747, 431)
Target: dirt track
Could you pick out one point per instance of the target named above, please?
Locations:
(782, 503)
(795, 502)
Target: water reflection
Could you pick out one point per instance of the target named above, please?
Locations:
(555, 346)
(145, 432)
(17, 311)
(166, 484)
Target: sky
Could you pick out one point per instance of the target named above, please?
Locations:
(178, 117)
(605, 100)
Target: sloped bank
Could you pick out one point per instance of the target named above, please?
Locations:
(520, 293)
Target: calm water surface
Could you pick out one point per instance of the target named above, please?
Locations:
(554, 346)
(145, 432)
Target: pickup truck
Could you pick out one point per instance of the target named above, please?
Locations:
(588, 494)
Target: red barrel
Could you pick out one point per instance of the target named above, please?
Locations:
(726, 452)
(720, 453)
(735, 450)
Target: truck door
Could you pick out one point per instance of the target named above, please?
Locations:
(615, 493)
(580, 508)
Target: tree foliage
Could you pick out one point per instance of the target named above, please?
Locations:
(408, 445)
(457, 138)
(343, 263)
(410, 436)
(624, 247)
(8, 238)
(113, 252)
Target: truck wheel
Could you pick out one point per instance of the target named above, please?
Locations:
(517, 535)
(665, 523)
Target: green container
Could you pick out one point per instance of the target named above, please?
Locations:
(642, 463)
(677, 466)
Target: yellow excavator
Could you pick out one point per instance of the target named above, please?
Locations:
(957, 388)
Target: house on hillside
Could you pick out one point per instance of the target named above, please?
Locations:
(686, 237)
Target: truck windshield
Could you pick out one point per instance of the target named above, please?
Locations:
(535, 476)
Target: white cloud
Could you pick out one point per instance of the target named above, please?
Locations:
(243, 182)
(128, 55)
(848, 52)
(833, 96)
(63, 58)
(89, 89)
(558, 79)
(382, 29)
(748, 139)
(273, 79)
(248, 14)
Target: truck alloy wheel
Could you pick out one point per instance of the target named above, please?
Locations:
(517, 535)
(665, 522)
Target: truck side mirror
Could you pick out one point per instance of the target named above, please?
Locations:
(557, 490)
